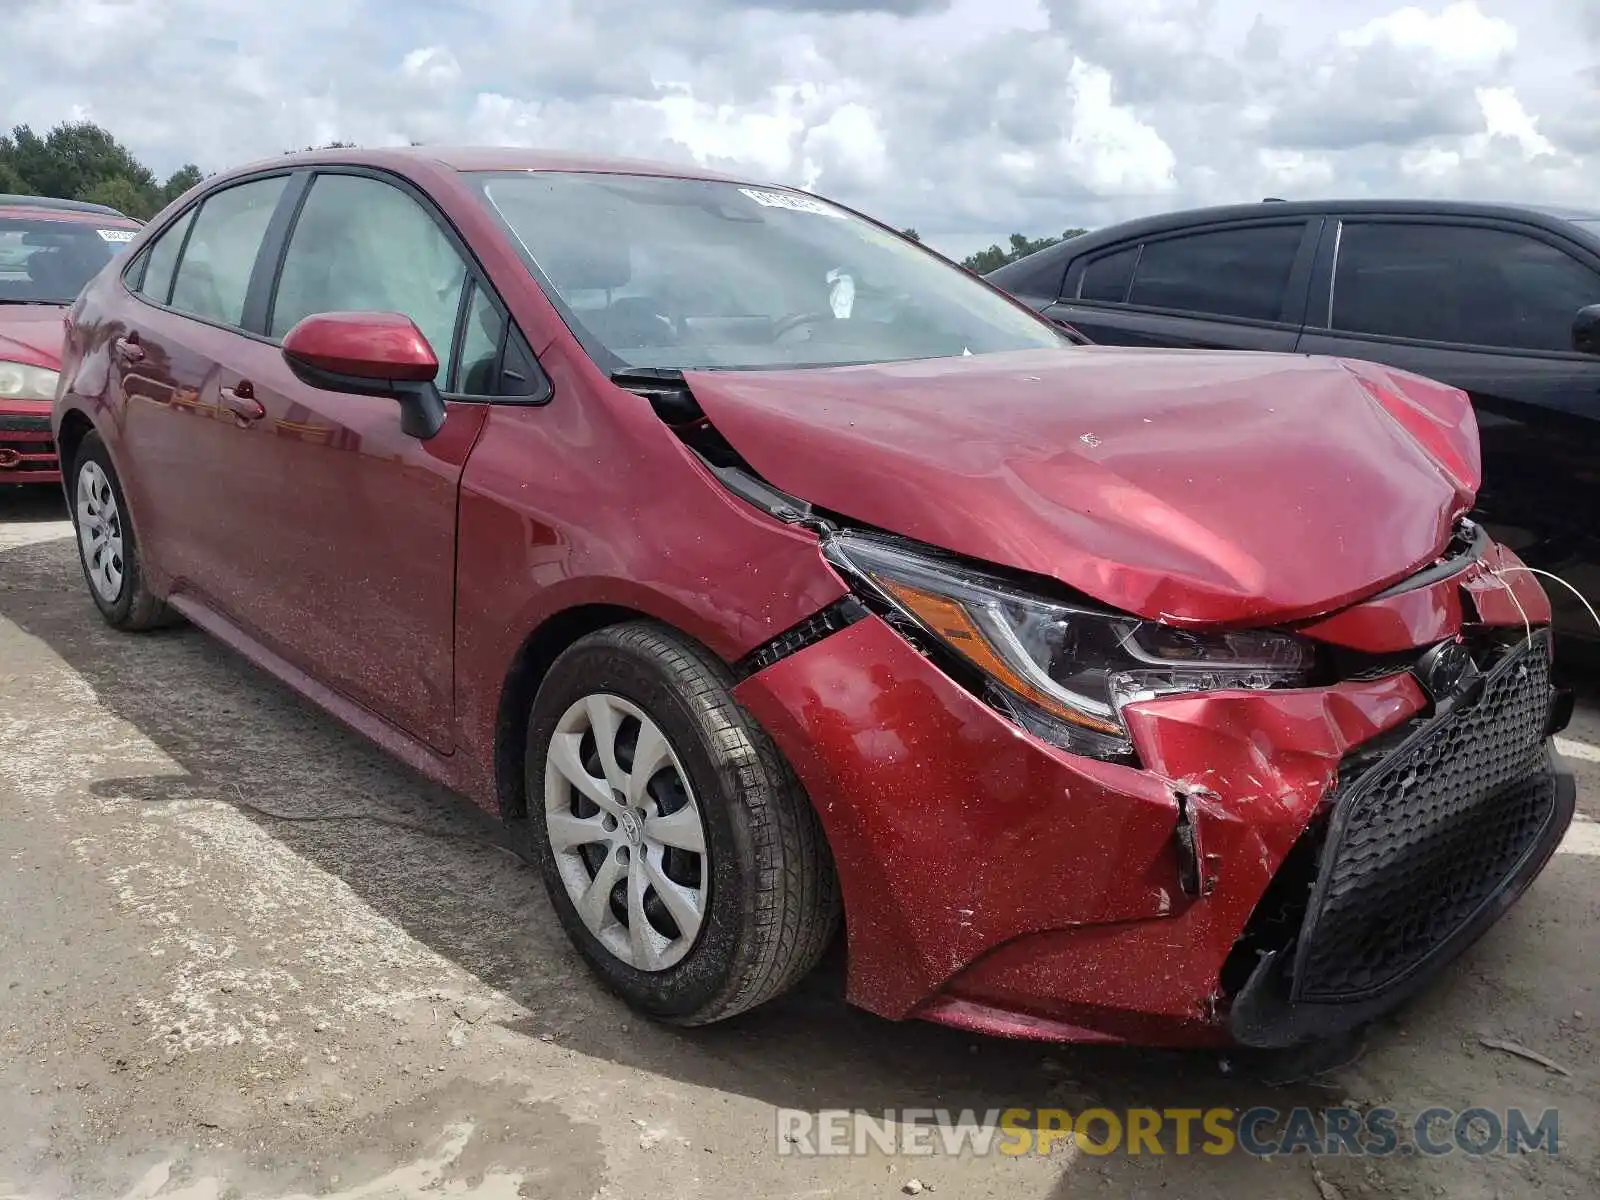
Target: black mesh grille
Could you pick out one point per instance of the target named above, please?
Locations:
(25, 422)
(1419, 841)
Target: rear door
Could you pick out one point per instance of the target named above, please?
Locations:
(349, 571)
(1233, 287)
(1487, 306)
(190, 288)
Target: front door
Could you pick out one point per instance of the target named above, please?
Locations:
(350, 568)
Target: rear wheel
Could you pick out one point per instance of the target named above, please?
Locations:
(107, 547)
(679, 850)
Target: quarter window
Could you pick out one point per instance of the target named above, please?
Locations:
(1107, 278)
(214, 276)
(1471, 285)
(480, 347)
(1226, 273)
(361, 245)
(161, 260)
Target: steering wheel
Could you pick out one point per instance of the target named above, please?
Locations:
(795, 321)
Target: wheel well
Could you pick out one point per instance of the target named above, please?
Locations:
(74, 428)
(544, 645)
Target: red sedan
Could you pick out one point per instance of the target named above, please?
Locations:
(48, 250)
(762, 569)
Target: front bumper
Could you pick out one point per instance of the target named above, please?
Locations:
(996, 883)
(27, 447)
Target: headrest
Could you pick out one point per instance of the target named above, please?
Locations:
(583, 260)
(578, 244)
(52, 271)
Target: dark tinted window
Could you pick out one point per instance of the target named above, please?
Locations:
(221, 253)
(47, 261)
(1459, 283)
(1107, 278)
(162, 258)
(1229, 273)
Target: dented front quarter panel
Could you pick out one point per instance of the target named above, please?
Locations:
(985, 871)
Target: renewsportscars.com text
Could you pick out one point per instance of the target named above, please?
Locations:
(1263, 1132)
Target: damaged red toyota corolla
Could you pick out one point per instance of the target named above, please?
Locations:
(756, 564)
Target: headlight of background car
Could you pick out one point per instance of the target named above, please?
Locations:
(1065, 671)
(18, 381)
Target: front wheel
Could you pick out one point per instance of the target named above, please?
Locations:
(107, 547)
(679, 851)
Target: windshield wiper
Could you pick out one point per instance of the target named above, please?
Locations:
(49, 303)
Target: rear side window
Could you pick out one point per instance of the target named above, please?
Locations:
(1107, 278)
(1225, 273)
(214, 275)
(161, 260)
(1471, 285)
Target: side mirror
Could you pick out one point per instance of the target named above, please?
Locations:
(1586, 330)
(371, 354)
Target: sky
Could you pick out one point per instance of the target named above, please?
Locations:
(967, 119)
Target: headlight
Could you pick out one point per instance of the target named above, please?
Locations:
(1063, 670)
(18, 381)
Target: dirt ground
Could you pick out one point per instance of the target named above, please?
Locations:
(244, 955)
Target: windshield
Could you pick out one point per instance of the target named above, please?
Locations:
(43, 261)
(681, 273)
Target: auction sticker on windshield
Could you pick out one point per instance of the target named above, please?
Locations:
(792, 202)
(116, 235)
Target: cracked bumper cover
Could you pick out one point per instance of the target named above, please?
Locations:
(996, 883)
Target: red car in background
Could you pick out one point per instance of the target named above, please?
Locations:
(755, 563)
(49, 249)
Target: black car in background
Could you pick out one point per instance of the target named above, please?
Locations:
(1501, 301)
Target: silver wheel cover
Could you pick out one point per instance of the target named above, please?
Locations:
(626, 831)
(100, 532)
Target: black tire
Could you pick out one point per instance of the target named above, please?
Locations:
(134, 607)
(773, 904)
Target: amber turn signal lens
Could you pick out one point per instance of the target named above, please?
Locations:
(950, 622)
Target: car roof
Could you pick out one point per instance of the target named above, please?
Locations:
(1016, 276)
(55, 206)
(491, 158)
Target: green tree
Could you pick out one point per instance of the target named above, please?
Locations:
(82, 161)
(179, 182)
(1021, 246)
(121, 193)
(912, 234)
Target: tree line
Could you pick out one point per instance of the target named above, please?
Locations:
(78, 160)
(1019, 246)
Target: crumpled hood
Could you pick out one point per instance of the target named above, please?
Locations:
(32, 333)
(1192, 486)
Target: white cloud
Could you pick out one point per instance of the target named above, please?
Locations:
(1459, 34)
(433, 65)
(966, 118)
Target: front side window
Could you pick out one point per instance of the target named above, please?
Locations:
(362, 245)
(45, 260)
(214, 274)
(1225, 273)
(1471, 285)
(685, 273)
